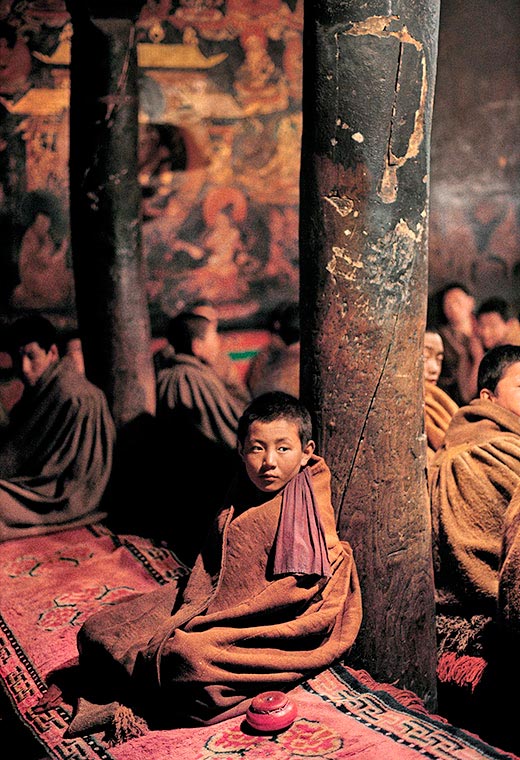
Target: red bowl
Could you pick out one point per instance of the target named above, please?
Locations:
(271, 711)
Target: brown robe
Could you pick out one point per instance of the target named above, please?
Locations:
(472, 478)
(439, 408)
(509, 577)
(191, 392)
(223, 365)
(197, 656)
(55, 455)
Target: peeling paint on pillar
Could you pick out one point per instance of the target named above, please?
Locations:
(367, 101)
(379, 26)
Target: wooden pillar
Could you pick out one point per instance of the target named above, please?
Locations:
(105, 201)
(369, 73)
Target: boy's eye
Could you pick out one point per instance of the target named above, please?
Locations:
(283, 448)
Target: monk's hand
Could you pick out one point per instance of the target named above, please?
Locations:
(53, 697)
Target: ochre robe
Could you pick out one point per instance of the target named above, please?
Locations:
(472, 478)
(509, 577)
(439, 408)
(55, 455)
(191, 393)
(197, 655)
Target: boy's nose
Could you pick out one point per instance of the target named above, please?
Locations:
(269, 458)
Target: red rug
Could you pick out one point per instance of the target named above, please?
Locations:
(50, 584)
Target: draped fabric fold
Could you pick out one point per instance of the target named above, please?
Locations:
(300, 540)
(439, 408)
(472, 479)
(197, 653)
(55, 455)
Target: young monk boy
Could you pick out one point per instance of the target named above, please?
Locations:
(472, 479)
(273, 596)
(475, 481)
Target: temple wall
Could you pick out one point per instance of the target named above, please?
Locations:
(220, 121)
(475, 160)
(219, 152)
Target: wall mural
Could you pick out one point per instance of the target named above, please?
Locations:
(218, 155)
(474, 240)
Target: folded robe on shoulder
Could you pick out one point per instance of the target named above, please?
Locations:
(472, 479)
(439, 408)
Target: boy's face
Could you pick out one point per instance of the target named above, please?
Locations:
(273, 454)
(457, 306)
(34, 360)
(433, 356)
(507, 392)
(491, 329)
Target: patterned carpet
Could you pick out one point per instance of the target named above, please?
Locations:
(50, 584)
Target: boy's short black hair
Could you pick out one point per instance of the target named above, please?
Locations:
(272, 406)
(493, 365)
(32, 328)
(182, 330)
(495, 305)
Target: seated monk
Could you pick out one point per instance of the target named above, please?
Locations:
(273, 597)
(496, 325)
(56, 451)
(197, 418)
(221, 362)
(473, 476)
(439, 408)
(496, 717)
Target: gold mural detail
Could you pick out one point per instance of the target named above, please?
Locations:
(41, 101)
(46, 140)
(186, 55)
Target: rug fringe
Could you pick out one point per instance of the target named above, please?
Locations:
(463, 670)
(406, 697)
(125, 726)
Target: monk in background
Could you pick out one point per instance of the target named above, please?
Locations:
(439, 408)
(56, 451)
(462, 347)
(496, 324)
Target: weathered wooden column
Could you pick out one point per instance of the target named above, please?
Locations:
(105, 202)
(369, 73)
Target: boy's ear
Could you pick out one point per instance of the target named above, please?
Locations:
(53, 351)
(308, 450)
(486, 395)
(196, 347)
